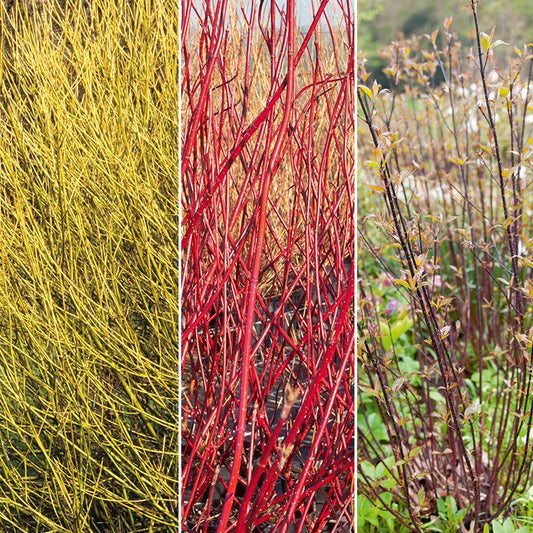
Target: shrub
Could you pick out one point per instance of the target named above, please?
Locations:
(445, 292)
(89, 396)
(268, 275)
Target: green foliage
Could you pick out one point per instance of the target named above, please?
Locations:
(506, 526)
(523, 508)
(392, 333)
(449, 516)
(373, 516)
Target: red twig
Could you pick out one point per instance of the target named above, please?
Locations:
(257, 256)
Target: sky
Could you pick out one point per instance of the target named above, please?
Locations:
(304, 9)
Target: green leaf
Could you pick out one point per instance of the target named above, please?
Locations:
(369, 470)
(401, 327)
(367, 512)
(508, 526)
(408, 365)
(497, 527)
(453, 505)
(441, 507)
(436, 396)
(390, 334)
(378, 427)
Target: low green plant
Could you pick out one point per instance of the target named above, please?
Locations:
(505, 526)
(522, 508)
(372, 518)
(450, 517)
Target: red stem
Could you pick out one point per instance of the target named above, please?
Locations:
(257, 256)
